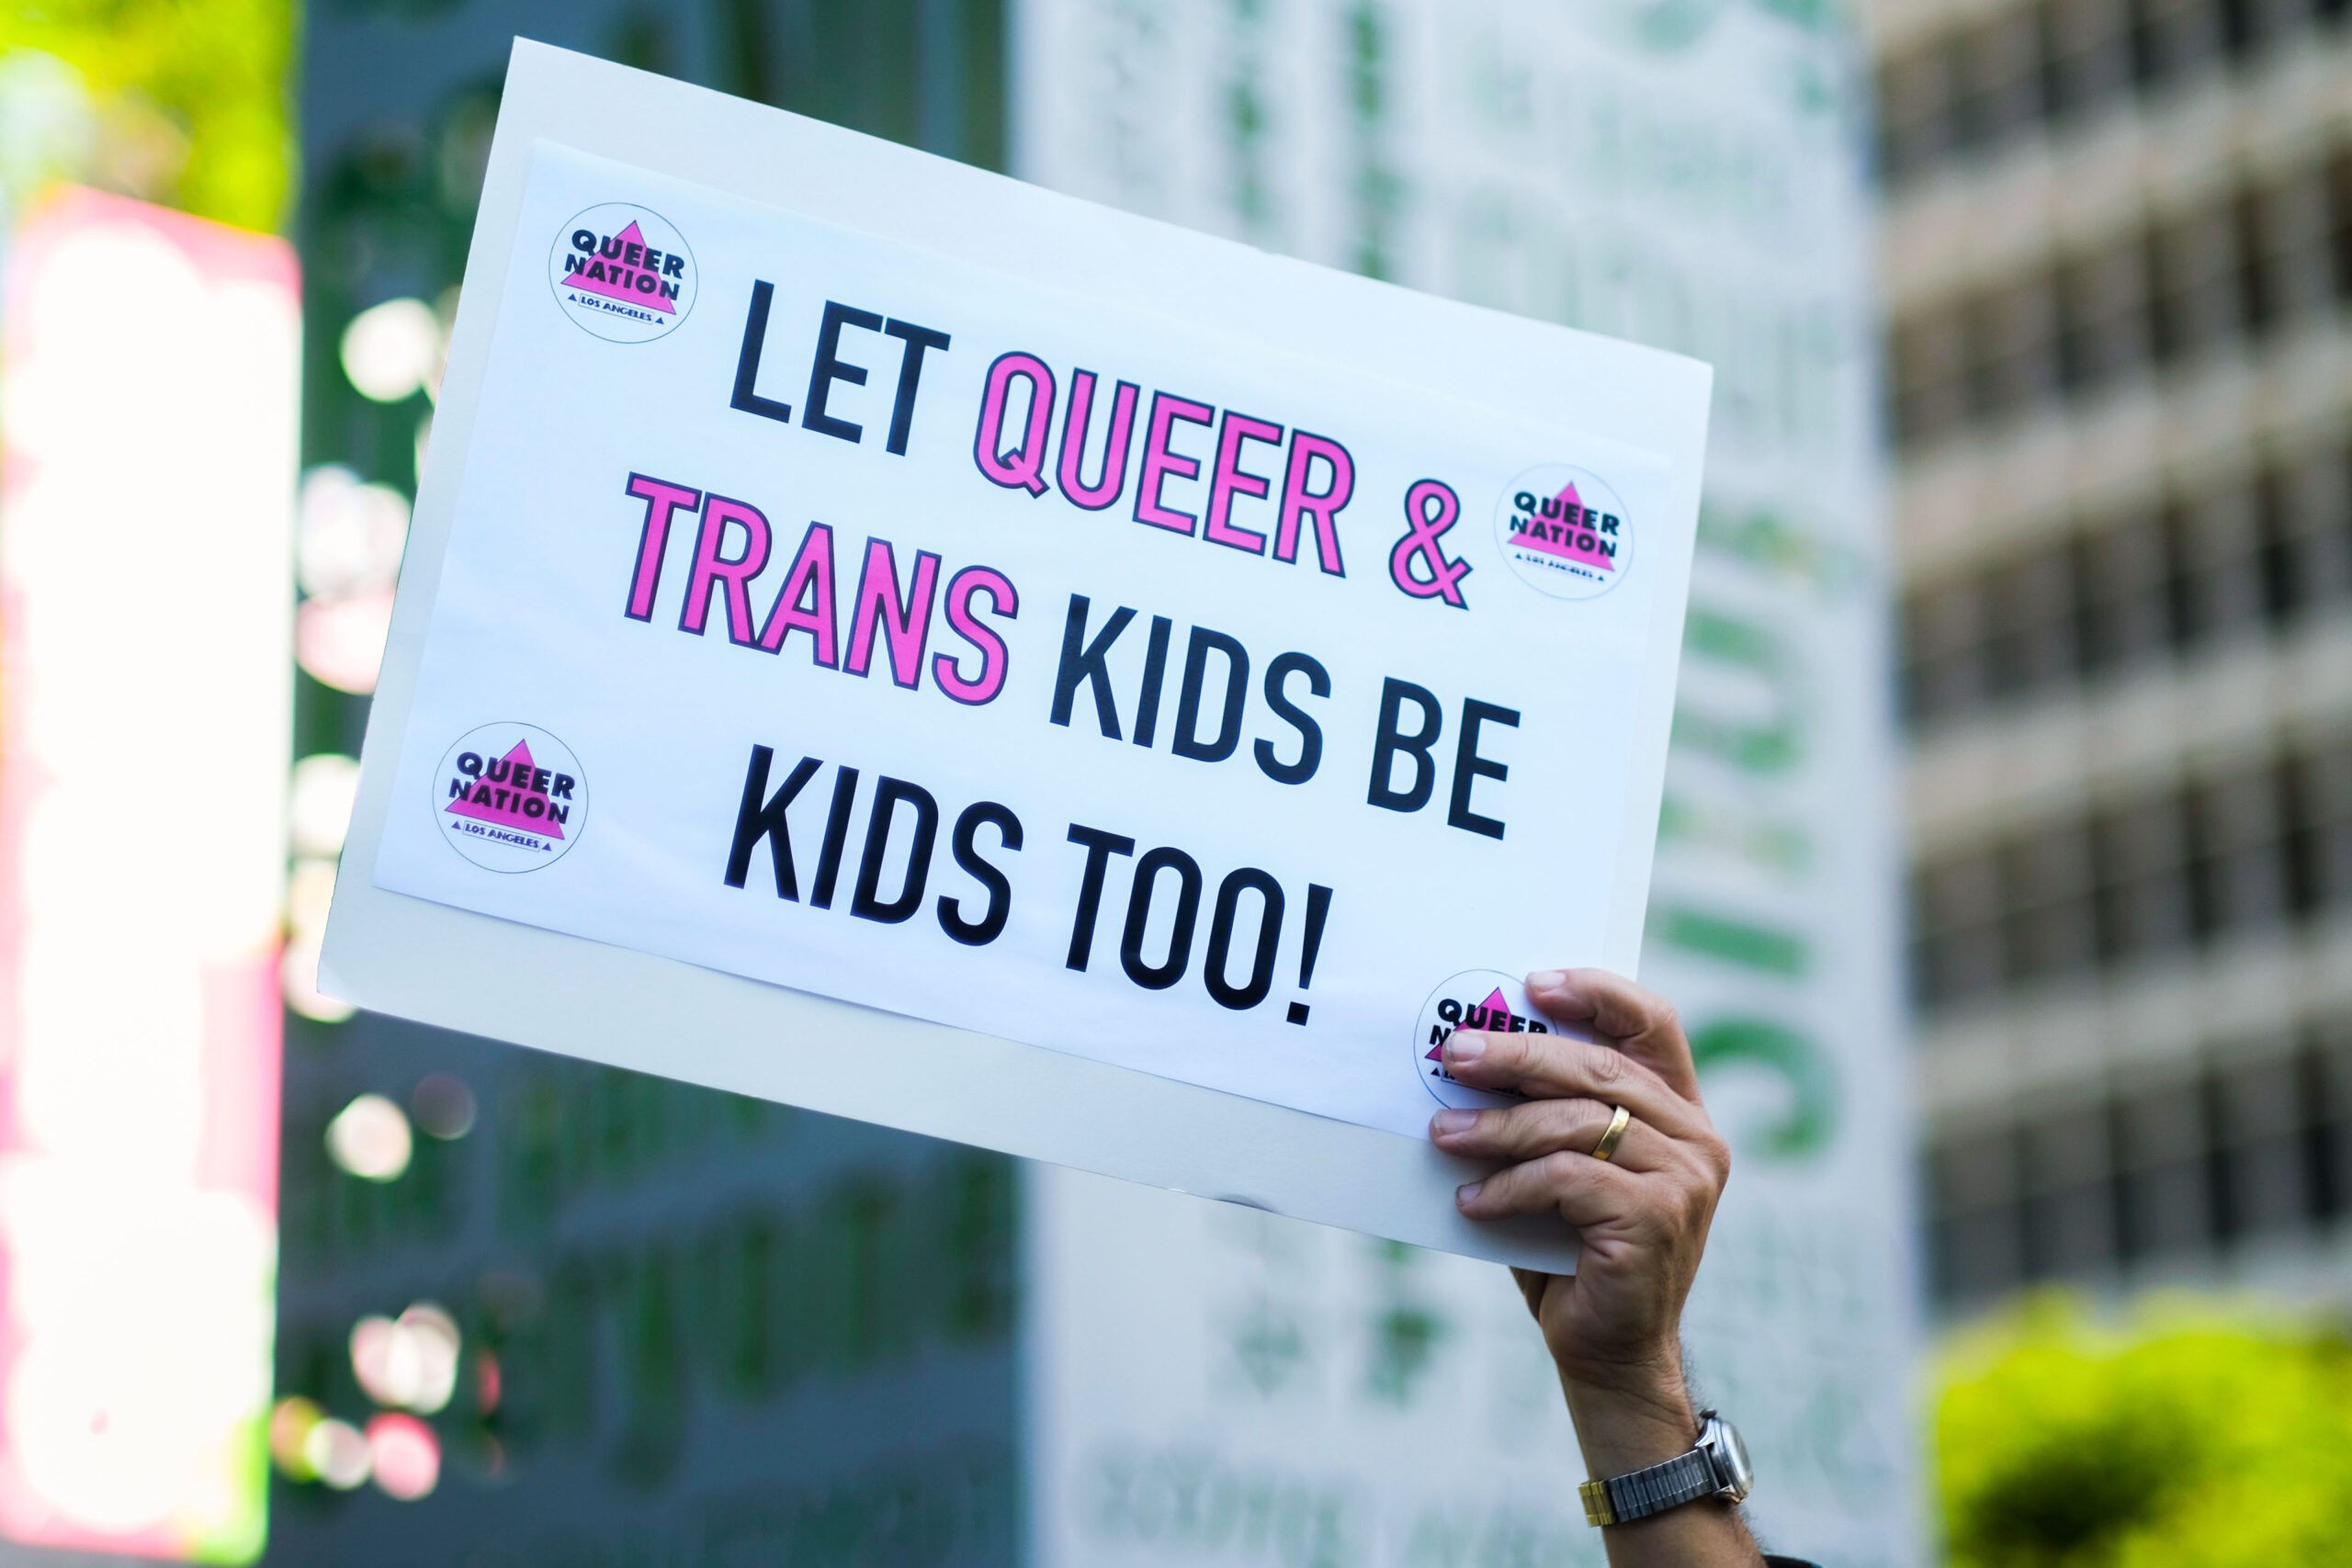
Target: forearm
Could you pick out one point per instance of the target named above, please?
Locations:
(1630, 1420)
(1609, 1134)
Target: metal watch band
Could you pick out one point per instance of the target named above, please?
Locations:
(1637, 1494)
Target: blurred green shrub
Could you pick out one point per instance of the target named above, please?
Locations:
(2185, 1440)
(185, 102)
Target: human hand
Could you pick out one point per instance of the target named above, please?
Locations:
(1613, 1327)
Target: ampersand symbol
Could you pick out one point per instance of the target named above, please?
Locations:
(1431, 508)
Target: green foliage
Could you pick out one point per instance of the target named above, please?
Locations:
(189, 97)
(2189, 1441)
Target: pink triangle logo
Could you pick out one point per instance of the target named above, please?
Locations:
(505, 797)
(1492, 1013)
(610, 273)
(1566, 530)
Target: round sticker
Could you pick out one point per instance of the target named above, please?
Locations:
(1475, 998)
(511, 798)
(1565, 532)
(622, 273)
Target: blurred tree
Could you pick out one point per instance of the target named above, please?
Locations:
(185, 102)
(2187, 1442)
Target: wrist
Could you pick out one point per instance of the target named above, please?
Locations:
(1629, 1415)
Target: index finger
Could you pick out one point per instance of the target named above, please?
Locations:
(1542, 1065)
(1640, 1023)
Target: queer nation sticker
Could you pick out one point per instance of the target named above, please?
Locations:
(1475, 998)
(511, 798)
(1563, 532)
(622, 273)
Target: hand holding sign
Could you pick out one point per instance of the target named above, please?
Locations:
(1640, 1200)
(1642, 1211)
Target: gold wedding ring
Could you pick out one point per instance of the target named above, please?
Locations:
(1616, 1133)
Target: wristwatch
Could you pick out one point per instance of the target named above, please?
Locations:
(1716, 1468)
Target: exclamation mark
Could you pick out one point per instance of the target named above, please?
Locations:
(1318, 905)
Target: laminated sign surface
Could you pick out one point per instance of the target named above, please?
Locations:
(890, 638)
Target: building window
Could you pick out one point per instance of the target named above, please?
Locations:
(2239, 876)
(2262, 1180)
(2232, 1148)
(2163, 1186)
(1985, 83)
(2193, 283)
(2086, 56)
(1944, 650)
(1996, 82)
(2012, 333)
(2102, 299)
(2123, 595)
(2144, 902)
(2049, 882)
(1978, 1228)
(2069, 1218)
(2187, 285)
(2319, 791)
(2237, 557)
(2215, 859)
(2031, 626)
(1930, 374)
(2213, 544)
(1959, 949)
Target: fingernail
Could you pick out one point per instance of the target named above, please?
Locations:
(1547, 980)
(1465, 1045)
(1467, 1193)
(1453, 1120)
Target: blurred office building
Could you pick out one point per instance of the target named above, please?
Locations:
(2119, 260)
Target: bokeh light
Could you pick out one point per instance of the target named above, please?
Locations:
(298, 979)
(291, 1421)
(340, 642)
(310, 892)
(442, 1106)
(405, 1454)
(409, 1361)
(370, 1138)
(338, 1453)
(490, 1381)
(324, 787)
(349, 535)
(393, 350)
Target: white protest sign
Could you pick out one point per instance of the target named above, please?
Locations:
(1196, 680)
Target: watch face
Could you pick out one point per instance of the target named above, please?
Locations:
(1731, 1457)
